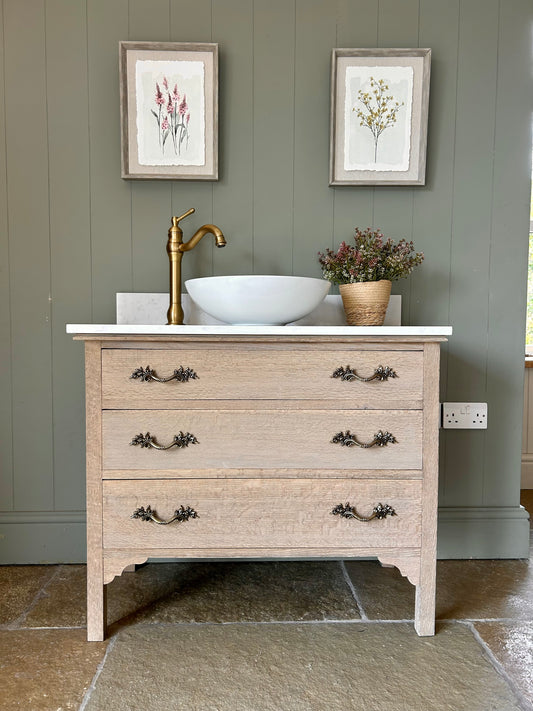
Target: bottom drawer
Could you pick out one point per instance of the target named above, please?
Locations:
(261, 513)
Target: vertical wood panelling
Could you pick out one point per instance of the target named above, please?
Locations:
(73, 233)
(273, 147)
(466, 364)
(6, 424)
(429, 300)
(111, 246)
(192, 22)
(233, 194)
(357, 26)
(508, 253)
(151, 209)
(393, 206)
(151, 201)
(29, 252)
(313, 199)
(68, 148)
(476, 102)
(432, 218)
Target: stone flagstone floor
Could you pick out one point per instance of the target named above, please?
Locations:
(274, 636)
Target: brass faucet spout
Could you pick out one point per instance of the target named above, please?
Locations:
(197, 236)
(175, 250)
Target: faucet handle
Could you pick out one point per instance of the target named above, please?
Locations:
(175, 220)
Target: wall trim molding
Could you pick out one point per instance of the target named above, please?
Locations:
(7, 517)
(483, 532)
(31, 537)
(458, 513)
(464, 532)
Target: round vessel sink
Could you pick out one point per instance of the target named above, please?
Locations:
(257, 299)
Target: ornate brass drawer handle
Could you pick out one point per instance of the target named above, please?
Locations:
(183, 439)
(379, 511)
(380, 373)
(184, 513)
(181, 374)
(347, 439)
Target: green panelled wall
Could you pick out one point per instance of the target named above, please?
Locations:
(72, 233)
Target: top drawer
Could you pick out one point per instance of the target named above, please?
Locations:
(129, 377)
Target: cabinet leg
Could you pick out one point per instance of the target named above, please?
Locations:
(96, 610)
(425, 606)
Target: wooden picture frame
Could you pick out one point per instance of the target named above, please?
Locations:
(169, 110)
(379, 116)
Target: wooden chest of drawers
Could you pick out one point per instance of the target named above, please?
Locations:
(262, 447)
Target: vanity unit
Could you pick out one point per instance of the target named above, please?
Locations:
(264, 443)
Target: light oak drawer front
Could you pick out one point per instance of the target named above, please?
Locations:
(226, 439)
(256, 374)
(261, 513)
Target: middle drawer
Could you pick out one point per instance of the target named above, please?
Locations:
(251, 439)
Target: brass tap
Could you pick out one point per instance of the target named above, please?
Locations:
(175, 249)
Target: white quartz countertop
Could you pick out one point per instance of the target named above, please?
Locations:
(111, 329)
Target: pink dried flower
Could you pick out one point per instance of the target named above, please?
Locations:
(158, 95)
(164, 124)
(165, 83)
(175, 94)
(183, 106)
(170, 105)
(369, 259)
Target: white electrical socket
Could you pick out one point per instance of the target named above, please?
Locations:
(464, 415)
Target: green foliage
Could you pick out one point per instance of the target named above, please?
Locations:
(371, 258)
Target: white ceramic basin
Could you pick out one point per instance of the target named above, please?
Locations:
(257, 299)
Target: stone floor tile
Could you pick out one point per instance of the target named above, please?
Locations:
(19, 585)
(512, 645)
(485, 589)
(63, 603)
(255, 592)
(203, 592)
(148, 585)
(506, 592)
(383, 593)
(298, 667)
(46, 670)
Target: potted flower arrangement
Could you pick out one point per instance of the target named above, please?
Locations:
(364, 272)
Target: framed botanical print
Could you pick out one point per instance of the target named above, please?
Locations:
(169, 110)
(379, 116)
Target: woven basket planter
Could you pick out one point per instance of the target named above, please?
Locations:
(365, 303)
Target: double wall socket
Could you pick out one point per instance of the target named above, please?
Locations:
(464, 415)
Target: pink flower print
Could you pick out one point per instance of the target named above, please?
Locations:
(158, 95)
(164, 124)
(170, 105)
(165, 83)
(183, 106)
(175, 94)
(188, 118)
